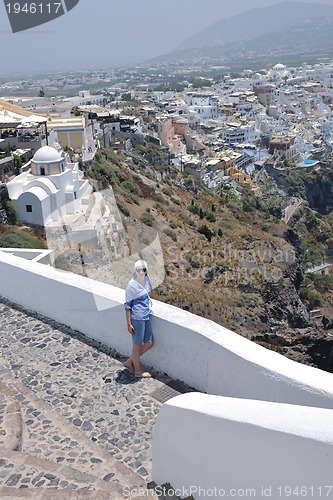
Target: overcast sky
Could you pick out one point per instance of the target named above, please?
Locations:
(109, 32)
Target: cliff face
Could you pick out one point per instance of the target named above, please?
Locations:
(282, 302)
(291, 331)
(319, 191)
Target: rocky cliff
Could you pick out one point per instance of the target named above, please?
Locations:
(319, 191)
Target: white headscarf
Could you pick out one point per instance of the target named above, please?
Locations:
(140, 264)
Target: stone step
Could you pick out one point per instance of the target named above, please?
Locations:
(20, 470)
(51, 452)
(10, 420)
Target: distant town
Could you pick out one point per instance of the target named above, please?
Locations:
(223, 129)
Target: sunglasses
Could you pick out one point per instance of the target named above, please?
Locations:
(143, 270)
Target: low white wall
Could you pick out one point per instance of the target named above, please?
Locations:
(241, 448)
(197, 351)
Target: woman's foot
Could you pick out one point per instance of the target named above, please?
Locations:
(142, 374)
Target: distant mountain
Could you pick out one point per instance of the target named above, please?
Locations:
(289, 32)
(257, 22)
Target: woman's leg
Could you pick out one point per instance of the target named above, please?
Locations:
(136, 353)
(129, 364)
(146, 344)
(146, 347)
(142, 342)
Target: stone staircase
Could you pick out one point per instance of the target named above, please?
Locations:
(43, 455)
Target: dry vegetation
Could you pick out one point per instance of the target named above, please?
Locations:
(218, 257)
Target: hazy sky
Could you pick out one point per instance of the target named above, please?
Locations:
(107, 32)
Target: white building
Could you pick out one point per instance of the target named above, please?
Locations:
(205, 106)
(236, 131)
(278, 73)
(323, 73)
(52, 187)
(84, 98)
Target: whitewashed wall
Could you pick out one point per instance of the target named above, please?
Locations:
(197, 351)
(243, 449)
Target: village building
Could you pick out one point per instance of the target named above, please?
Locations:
(52, 187)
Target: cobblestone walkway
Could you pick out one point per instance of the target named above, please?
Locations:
(71, 418)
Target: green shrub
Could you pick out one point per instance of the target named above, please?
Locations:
(129, 186)
(7, 205)
(15, 237)
(123, 209)
(310, 297)
(171, 234)
(147, 219)
(311, 221)
(210, 217)
(321, 282)
(194, 209)
(167, 191)
(206, 232)
(187, 219)
(194, 260)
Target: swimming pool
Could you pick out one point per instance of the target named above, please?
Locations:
(309, 162)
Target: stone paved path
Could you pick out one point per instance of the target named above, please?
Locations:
(71, 418)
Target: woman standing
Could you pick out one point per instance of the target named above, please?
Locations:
(138, 311)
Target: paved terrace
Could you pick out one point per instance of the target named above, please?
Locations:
(73, 422)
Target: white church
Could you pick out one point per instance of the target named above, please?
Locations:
(53, 188)
(53, 194)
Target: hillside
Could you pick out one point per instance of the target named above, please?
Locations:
(256, 22)
(288, 32)
(226, 257)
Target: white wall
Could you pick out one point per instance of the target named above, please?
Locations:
(243, 448)
(40, 203)
(197, 351)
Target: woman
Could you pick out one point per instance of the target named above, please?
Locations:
(138, 311)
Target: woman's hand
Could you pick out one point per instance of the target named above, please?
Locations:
(130, 328)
